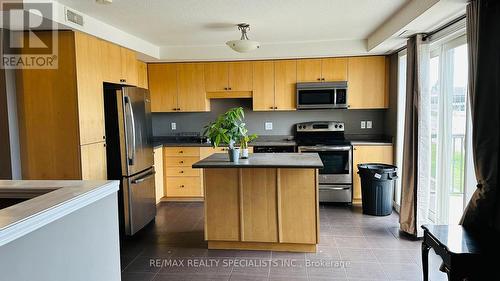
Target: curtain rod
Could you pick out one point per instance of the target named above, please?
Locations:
(443, 27)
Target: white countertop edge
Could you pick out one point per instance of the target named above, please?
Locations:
(49, 215)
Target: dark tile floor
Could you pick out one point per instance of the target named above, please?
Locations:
(353, 246)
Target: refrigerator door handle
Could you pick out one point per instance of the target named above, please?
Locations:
(131, 144)
(143, 178)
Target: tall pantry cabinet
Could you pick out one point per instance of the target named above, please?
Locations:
(61, 110)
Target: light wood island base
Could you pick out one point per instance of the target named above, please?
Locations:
(257, 207)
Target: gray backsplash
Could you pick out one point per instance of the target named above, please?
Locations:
(282, 121)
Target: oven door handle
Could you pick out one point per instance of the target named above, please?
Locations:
(324, 148)
(334, 187)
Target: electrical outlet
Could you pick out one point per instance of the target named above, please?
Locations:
(369, 124)
(268, 126)
(173, 126)
(363, 124)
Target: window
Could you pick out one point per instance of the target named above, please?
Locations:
(448, 82)
(401, 119)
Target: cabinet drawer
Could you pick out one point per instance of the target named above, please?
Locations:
(182, 151)
(172, 161)
(182, 172)
(184, 187)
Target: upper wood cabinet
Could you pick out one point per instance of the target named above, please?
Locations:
(142, 74)
(89, 88)
(163, 87)
(119, 64)
(191, 88)
(285, 80)
(129, 67)
(111, 61)
(263, 86)
(368, 82)
(228, 76)
(177, 87)
(274, 85)
(322, 70)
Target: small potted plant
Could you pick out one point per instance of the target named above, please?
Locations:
(244, 140)
(228, 129)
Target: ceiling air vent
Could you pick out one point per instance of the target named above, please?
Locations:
(74, 17)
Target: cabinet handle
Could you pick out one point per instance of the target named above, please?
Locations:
(181, 151)
(178, 108)
(181, 172)
(103, 137)
(271, 107)
(225, 89)
(181, 162)
(323, 79)
(275, 107)
(230, 89)
(319, 79)
(104, 144)
(182, 186)
(123, 80)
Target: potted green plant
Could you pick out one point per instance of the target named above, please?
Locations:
(244, 140)
(228, 129)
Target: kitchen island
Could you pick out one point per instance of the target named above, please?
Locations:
(266, 202)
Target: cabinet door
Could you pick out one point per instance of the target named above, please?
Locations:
(334, 69)
(258, 205)
(191, 86)
(309, 70)
(163, 87)
(298, 206)
(142, 74)
(158, 163)
(368, 154)
(216, 76)
(128, 67)
(367, 82)
(93, 158)
(184, 187)
(263, 86)
(240, 76)
(111, 62)
(90, 88)
(285, 79)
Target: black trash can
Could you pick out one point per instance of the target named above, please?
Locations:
(377, 185)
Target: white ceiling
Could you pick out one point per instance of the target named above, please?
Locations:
(211, 22)
(198, 29)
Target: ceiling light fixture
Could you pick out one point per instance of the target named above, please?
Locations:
(244, 44)
(104, 2)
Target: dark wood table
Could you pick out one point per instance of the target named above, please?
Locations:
(466, 254)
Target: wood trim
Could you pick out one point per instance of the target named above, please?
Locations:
(278, 205)
(229, 94)
(280, 247)
(240, 203)
(316, 179)
(182, 199)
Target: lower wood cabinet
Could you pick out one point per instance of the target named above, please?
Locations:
(93, 158)
(179, 181)
(368, 154)
(158, 163)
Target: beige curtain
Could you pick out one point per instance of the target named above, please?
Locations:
(416, 145)
(483, 29)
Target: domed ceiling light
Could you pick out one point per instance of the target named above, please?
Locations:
(244, 44)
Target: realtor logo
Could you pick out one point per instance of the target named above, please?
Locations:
(24, 46)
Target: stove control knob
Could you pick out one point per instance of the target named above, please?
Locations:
(336, 126)
(340, 126)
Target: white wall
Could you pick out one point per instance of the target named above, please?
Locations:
(81, 246)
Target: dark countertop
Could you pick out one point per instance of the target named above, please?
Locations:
(196, 141)
(263, 160)
(356, 139)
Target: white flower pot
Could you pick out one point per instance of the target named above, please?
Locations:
(244, 153)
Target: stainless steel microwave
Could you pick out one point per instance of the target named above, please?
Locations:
(322, 95)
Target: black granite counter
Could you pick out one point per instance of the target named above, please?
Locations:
(199, 142)
(360, 139)
(263, 160)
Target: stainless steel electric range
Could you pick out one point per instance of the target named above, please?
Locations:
(327, 139)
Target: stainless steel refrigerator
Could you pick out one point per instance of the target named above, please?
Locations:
(130, 154)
